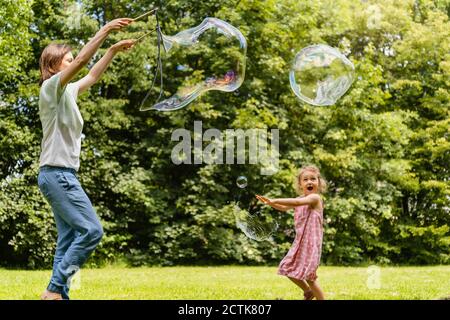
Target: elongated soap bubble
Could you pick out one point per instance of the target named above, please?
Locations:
(210, 56)
(320, 75)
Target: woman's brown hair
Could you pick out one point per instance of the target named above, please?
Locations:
(51, 58)
(312, 168)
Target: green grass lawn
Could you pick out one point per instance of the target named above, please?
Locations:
(233, 282)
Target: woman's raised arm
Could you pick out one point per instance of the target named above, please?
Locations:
(91, 48)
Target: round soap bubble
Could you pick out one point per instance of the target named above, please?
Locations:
(320, 75)
(210, 56)
(255, 224)
(241, 182)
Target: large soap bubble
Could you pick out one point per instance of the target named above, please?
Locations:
(255, 223)
(210, 56)
(251, 218)
(320, 75)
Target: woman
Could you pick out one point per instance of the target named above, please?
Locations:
(79, 229)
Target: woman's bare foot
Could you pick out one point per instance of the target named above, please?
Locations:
(48, 295)
(308, 295)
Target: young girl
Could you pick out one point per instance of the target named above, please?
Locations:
(301, 262)
(79, 229)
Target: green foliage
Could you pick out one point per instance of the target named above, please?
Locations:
(14, 19)
(383, 147)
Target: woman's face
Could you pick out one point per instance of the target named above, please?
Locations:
(309, 181)
(66, 61)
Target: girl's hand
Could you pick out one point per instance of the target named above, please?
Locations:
(117, 24)
(264, 199)
(123, 45)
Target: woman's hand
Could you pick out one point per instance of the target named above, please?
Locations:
(264, 199)
(123, 45)
(117, 24)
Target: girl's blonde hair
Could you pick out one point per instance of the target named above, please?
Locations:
(50, 59)
(312, 168)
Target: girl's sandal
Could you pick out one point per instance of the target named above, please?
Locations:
(308, 295)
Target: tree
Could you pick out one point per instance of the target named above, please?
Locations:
(383, 147)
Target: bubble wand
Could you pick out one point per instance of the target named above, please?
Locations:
(159, 67)
(145, 14)
(142, 37)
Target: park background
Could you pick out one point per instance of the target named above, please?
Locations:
(383, 147)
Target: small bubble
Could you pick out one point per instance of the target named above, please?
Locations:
(241, 182)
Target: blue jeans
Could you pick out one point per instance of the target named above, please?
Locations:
(79, 229)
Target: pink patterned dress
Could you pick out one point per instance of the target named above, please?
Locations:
(303, 258)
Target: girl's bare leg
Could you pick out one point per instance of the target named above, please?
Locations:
(305, 287)
(318, 293)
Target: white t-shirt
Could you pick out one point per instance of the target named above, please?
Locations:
(62, 124)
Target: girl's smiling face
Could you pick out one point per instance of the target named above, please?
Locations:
(309, 181)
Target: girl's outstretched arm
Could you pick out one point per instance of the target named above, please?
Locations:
(311, 200)
(91, 48)
(273, 205)
(97, 70)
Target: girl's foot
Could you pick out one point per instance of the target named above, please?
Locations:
(308, 295)
(48, 295)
